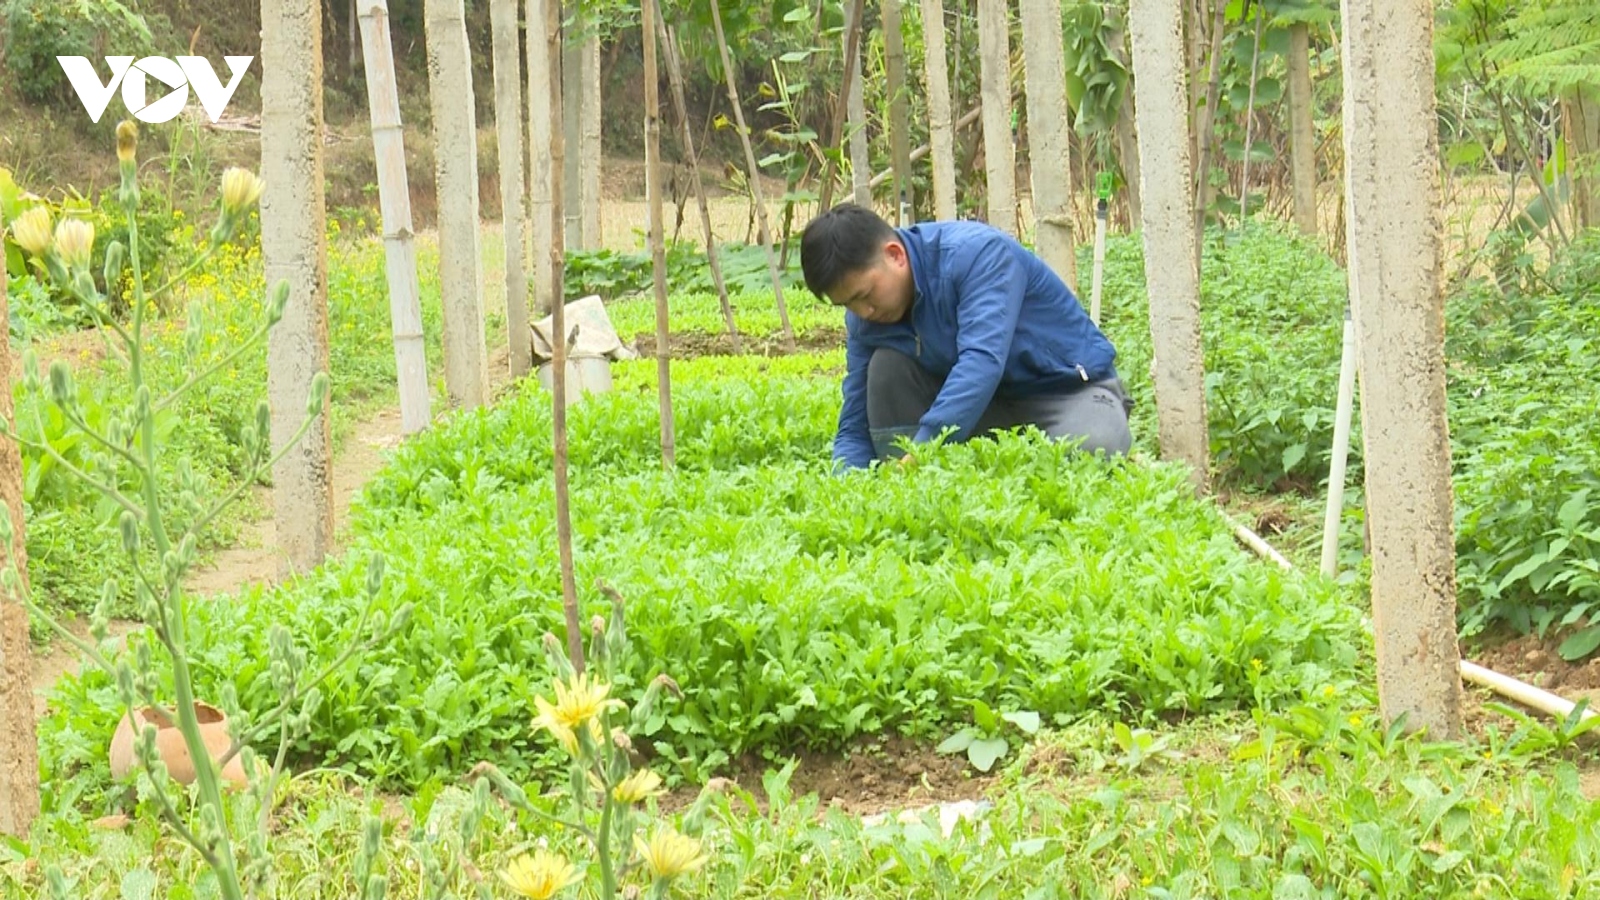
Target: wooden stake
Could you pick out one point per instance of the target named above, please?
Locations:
(558, 341)
(669, 43)
(658, 253)
(764, 233)
(852, 42)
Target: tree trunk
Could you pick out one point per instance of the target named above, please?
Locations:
(860, 147)
(1581, 114)
(455, 131)
(765, 233)
(1392, 174)
(894, 55)
(1049, 136)
(658, 251)
(508, 133)
(994, 56)
(19, 747)
(1127, 134)
(394, 200)
(675, 76)
(1172, 272)
(294, 248)
(1302, 132)
(541, 127)
(589, 144)
(941, 136)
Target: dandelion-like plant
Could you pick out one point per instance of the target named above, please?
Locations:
(610, 805)
(231, 837)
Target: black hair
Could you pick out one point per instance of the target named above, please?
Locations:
(845, 239)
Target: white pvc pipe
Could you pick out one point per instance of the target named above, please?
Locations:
(1522, 692)
(1261, 547)
(1341, 448)
(1512, 688)
(1099, 261)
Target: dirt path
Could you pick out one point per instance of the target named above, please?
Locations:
(253, 559)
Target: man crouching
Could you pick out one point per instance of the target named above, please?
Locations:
(955, 325)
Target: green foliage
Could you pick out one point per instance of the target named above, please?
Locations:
(1526, 466)
(37, 31)
(615, 274)
(1550, 48)
(796, 608)
(1271, 307)
(1312, 801)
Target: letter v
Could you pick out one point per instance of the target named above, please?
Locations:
(213, 96)
(93, 94)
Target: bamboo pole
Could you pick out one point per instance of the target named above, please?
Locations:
(852, 45)
(669, 43)
(1249, 120)
(1207, 129)
(658, 253)
(513, 226)
(558, 335)
(856, 117)
(899, 112)
(765, 232)
(394, 202)
(1343, 413)
(941, 134)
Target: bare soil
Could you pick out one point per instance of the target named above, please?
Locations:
(882, 774)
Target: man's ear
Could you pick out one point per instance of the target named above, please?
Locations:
(895, 253)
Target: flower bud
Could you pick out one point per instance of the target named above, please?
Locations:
(127, 141)
(277, 301)
(31, 230)
(115, 253)
(241, 189)
(130, 533)
(319, 394)
(30, 369)
(61, 390)
(74, 240)
(374, 574)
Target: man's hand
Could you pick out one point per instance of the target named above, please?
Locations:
(906, 462)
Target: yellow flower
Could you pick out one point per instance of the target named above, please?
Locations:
(74, 238)
(638, 787)
(240, 190)
(565, 736)
(669, 854)
(127, 140)
(540, 876)
(31, 230)
(580, 700)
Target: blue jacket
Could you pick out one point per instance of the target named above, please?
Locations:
(988, 314)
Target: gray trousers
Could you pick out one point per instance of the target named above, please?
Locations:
(900, 392)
